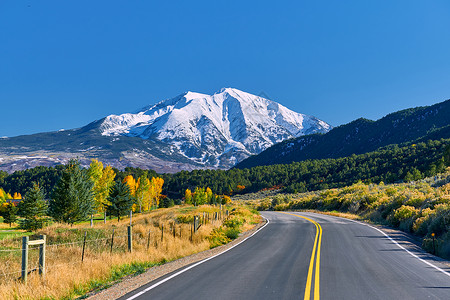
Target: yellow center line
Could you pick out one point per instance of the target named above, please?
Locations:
(314, 254)
(317, 275)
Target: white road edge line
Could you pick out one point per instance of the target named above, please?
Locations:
(400, 246)
(392, 240)
(194, 265)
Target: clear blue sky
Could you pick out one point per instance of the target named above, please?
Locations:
(64, 64)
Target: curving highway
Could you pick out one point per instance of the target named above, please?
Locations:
(308, 256)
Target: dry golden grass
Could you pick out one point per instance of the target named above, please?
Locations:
(336, 214)
(66, 274)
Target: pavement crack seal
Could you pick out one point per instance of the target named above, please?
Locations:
(314, 255)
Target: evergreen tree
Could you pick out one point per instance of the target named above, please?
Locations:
(33, 209)
(72, 200)
(120, 200)
(10, 214)
(447, 156)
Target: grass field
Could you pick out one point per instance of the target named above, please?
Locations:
(158, 236)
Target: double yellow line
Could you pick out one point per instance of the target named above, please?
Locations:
(315, 254)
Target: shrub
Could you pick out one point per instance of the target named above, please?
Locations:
(218, 237)
(404, 212)
(232, 233)
(233, 223)
(185, 219)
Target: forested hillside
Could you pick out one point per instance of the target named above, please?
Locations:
(360, 136)
(388, 164)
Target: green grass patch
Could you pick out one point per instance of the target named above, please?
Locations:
(11, 233)
(187, 209)
(117, 273)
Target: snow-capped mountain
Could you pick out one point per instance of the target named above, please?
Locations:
(191, 131)
(214, 130)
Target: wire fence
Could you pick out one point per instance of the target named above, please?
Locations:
(100, 244)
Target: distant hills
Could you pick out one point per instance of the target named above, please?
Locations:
(360, 136)
(190, 131)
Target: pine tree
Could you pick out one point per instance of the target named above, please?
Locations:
(447, 156)
(10, 214)
(72, 200)
(120, 200)
(33, 209)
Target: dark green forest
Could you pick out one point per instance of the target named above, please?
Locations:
(388, 164)
(360, 136)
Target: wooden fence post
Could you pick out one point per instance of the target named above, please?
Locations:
(25, 247)
(130, 238)
(148, 240)
(84, 245)
(112, 241)
(162, 233)
(25, 240)
(42, 255)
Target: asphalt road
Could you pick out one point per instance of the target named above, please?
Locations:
(350, 261)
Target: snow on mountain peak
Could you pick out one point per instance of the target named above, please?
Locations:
(217, 130)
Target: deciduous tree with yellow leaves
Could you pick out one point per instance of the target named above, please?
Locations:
(188, 196)
(103, 179)
(156, 190)
(143, 193)
(131, 182)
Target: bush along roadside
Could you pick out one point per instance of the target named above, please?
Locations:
(240, 219)
(421, 208)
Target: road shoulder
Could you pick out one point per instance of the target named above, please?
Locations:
(131, 283)
(406, 240)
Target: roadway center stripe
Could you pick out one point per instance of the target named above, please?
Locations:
(315, 254)
(311, 266)
(317, 275)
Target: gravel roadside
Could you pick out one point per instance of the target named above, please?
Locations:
(131, 283)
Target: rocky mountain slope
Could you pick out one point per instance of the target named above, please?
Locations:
(189, 131)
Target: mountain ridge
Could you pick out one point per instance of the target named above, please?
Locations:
(360, 136)
(229, 123)
(189, 131)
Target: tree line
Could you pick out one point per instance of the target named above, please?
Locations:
(388, 164)
(79, 193)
